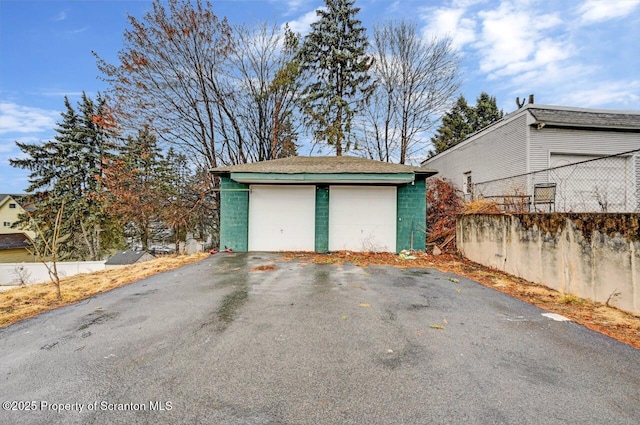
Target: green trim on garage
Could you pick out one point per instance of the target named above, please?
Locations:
(411, 208)
(367, 178)
(322, 219)
(412, 216)
(234, 215)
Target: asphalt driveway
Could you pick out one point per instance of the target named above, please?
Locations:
(218, 343)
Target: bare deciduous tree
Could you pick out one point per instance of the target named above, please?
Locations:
(223, 94)
(416, 82)
(46, 248)
(167, 75)
(262, 79)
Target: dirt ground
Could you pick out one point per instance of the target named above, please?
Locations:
(599, 317)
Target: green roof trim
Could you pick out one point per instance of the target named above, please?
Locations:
(390, 178)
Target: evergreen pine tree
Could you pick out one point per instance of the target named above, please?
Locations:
(486, 112)
(66, 171)
(456, 125)
(463, 120)
(333, 57)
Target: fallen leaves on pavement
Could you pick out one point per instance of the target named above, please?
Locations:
(599, 317)
(263, 268)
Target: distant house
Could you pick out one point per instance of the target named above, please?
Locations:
(10, 210)
(124, 258)
(15, 248)
(529, 154)
(322, 204)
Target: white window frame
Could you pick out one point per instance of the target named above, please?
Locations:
(467, 183)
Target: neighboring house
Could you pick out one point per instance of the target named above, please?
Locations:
(506, 158)
(10, 209)
(125, 258)
(15, 244)
(15, 248)
(322, 204)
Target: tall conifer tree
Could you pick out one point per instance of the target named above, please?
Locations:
(66, 171)
(333, 58)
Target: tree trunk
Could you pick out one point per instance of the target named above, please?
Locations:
(274, 133)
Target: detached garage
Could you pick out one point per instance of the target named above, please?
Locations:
(322, 204)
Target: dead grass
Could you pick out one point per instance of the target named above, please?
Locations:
(481, 206)
(27, 301)
(599, 317)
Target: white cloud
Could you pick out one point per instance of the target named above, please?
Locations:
(394, 6)
(77, 31)
(466, 3)
(592, 11)
(15, 118)
(548, 53)
(6, 146)
(9, 150)
(292, 5)
(302, 25)
(450, 22)
(548, 81)
(60, 16)
(604, 93)
(60, 93)
(295, 4)
(514, 37)
(517, 47)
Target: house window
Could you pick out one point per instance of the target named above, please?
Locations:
(467, 183)
(12, 205)
(7, 224)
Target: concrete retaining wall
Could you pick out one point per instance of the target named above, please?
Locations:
(587, 255)
(37, 272)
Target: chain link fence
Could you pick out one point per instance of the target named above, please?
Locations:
(596, 184)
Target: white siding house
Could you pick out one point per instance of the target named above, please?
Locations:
(525, 148)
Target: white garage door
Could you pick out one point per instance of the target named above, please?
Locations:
(282, 218)
(362, 218)
(599, 186)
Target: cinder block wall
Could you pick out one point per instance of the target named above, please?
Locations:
(234, 215)
(587, 255)
(411, 216)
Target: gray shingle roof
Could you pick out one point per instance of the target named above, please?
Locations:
(14, 241)
(583, 118)
(323, 165)
(5, 196)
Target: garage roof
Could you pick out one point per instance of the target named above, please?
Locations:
(323, 169)
(14, 241)
(128, 257)
(323, 165)
(585, 118)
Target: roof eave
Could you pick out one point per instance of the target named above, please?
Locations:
(323, 178)
(556, 124)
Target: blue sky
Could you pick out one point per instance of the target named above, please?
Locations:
(582, 53)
